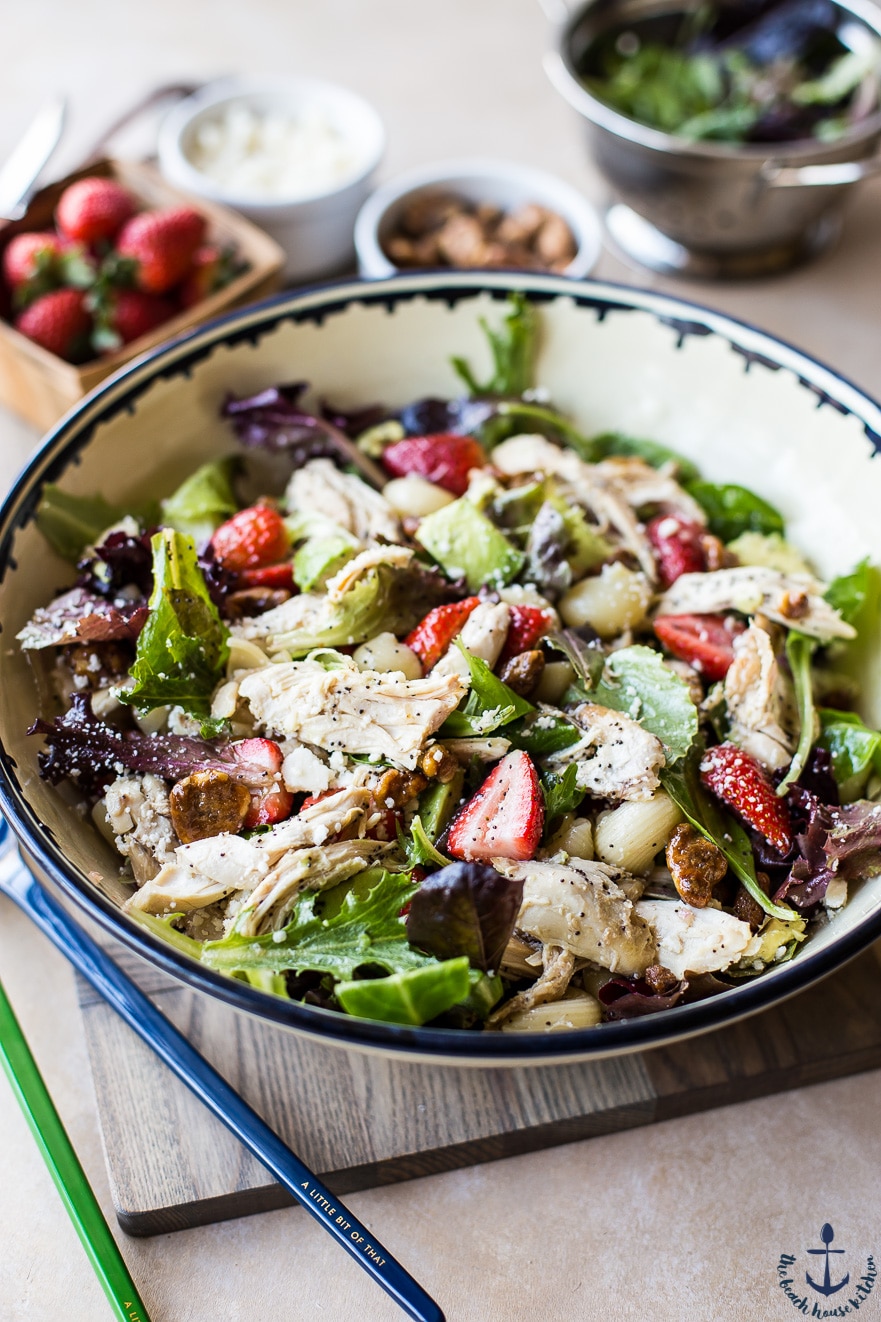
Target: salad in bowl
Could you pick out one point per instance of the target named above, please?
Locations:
(457, 714)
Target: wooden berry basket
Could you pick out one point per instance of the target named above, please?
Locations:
(40, 386)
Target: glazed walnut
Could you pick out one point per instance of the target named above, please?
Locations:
(207, 803)
(696, 865)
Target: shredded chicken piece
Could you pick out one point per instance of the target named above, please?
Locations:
(205, 871)
(369, 712)
(270, 903)
(139, 812)
(761, 708)
(695, 940)
(596, 488)
(583, 909)
(642, 486)
(616, 757)
(483, 635)
(559, 965)
(794, 600)
(319, 487)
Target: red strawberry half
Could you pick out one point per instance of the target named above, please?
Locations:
(704, 641)
(252, 538)
(93, 209)
(528, 624)
(60, 323)
(430, 639)
(678, 546)
(445, 459)
(506, 816)
(164, 244)
(270, 801)
(745, 787)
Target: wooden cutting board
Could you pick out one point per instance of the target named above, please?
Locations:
(361, 1120)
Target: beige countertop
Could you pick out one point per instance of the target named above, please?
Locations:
(685, 1220)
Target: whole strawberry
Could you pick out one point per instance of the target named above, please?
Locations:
(163, 243)
(93, 209)
(212, 268)
(60, 323)
(27, 254)
(127, 315)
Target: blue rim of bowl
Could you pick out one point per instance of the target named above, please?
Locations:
(315, 302)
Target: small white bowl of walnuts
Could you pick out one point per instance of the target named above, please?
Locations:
(477, 214)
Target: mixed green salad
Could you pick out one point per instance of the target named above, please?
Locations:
(468, 718)
(755, 72)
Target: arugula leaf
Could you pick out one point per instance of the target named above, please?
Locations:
(543, 419)
(732, 510)
(490, 703)
(799, 652)
(365, 928)
(465, 909)
(407, 998)
(588, 660)
(642, 687)
(561, 795)
(684, 787)
(183, 647)
(203, 501)
(616, 443)
(71, 523)
(855, 750)
(513, 349)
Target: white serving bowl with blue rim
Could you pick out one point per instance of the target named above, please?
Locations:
(743, 405)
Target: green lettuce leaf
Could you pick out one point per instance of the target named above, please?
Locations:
(361, 925)
(637, 682)
(408, 998)
(490, 704)
(183, 647)
(799, 653)
(856, 595)
(513, 348)
(71, 523)
(683, 785)
(732, 510)
(854, 748)
(562, 795)
(542, 732)
(203, 502)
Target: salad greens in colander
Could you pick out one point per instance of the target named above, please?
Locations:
(475, 720)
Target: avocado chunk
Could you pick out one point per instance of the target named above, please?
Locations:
(319, 558)
(468, 546)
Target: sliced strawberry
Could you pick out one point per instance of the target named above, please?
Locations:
(269, 576)
(505, 818)
(430, 639)
(251, 539)
(704, 641)
(445, 459)
(745, 787)
(678, 546)
(528, 624)
(261, 761)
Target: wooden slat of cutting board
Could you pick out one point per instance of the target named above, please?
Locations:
(361, 1120)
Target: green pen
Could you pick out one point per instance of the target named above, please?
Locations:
(65, 1169)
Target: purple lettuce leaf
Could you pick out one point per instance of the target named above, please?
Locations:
(120, 561)
(80, 616)
(465, 909)
(628, 998)
(90, 753)
(274, 420)
(837, 842)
